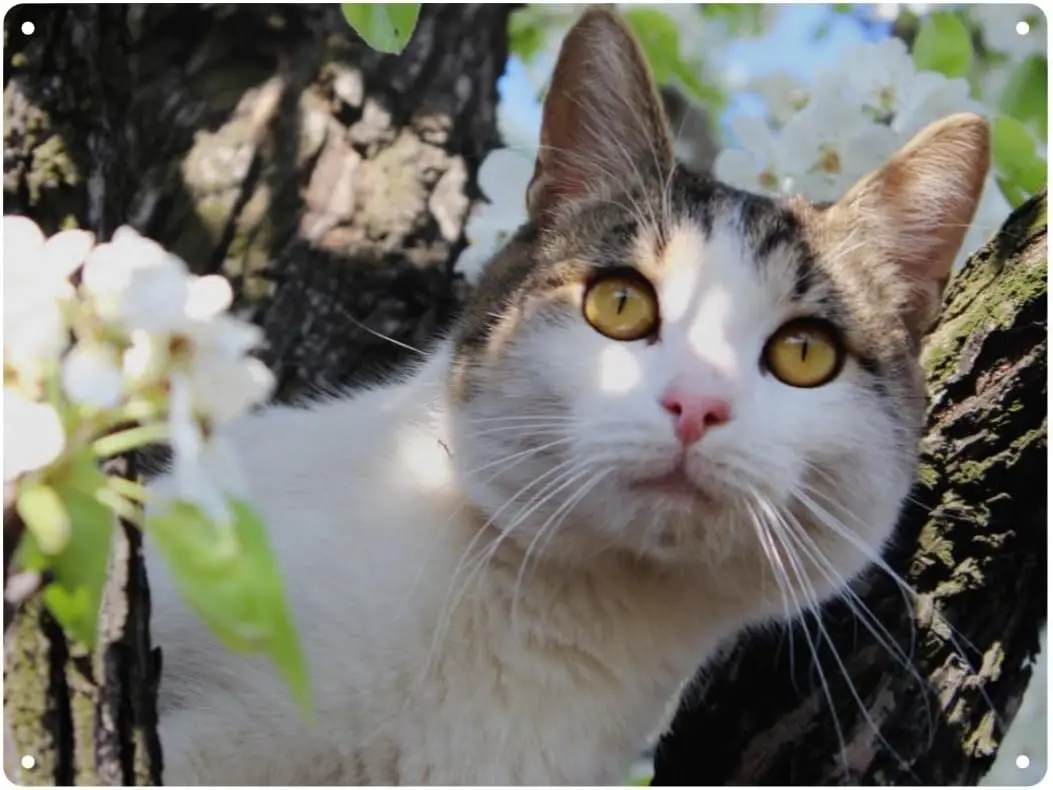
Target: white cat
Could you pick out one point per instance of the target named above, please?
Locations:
(672, 410)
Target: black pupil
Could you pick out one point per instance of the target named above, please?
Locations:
(803, 341)
(623, 297)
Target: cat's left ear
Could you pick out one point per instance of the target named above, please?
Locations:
(603, 124)
(916, 208)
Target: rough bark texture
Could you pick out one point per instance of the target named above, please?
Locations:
(331, 184)
(972, 544)
(84, 717)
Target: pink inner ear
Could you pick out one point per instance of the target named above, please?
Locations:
(918, 207)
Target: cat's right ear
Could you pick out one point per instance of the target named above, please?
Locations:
(603, 123)
(917, 208)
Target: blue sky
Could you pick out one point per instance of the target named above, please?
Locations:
(789, 46)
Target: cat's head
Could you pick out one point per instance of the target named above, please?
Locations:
(660, 364)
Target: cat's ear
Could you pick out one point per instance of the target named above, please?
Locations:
(603, 124)
(917, 207)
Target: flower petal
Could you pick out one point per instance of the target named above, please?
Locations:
(224, 389)
(35, 330)
(66, 252)
(145, 360)
(91, 375)
(33, 435)
(208, 296)
(23, 241)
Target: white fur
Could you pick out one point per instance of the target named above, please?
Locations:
(427, 667)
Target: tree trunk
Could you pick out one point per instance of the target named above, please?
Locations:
(971, 545)
(331, 184)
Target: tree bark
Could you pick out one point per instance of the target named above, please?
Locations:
(972, 546)
(331, 185)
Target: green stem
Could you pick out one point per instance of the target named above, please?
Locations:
(121, 506)
(122, 442)
(128, 489)
(137, 409)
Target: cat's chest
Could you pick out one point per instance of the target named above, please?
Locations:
(551, 690)
(526, 719)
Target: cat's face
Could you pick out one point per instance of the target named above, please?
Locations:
(665, 366)
(678, 444)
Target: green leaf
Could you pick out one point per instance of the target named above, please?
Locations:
(75, 595)
(739, 18)
(943, 44)
(1014, 151)
(1012, 193)
(387, 27)
(660, 40)
(231, 579)
(525, 35)
(1026, 95)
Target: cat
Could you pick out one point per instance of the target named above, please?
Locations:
(671, 411)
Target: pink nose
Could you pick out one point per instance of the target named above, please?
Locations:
(694, 414)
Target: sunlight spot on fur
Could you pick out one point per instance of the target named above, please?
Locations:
(619, 370)
(708, 333)
(425, 458)
(680, 271)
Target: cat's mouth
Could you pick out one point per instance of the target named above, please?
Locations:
(675, 484)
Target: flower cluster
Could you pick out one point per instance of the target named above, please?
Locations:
(818, 140)
(138, 351)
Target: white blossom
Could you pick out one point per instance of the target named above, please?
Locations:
(224, 381)
(755, 164)
(33, 435)
(930, 98)
(503, 179)
(140, 319)
(191, 479)
(91, 375)
(224, 387)
(136, 284)
(879, 75)
(783, 94)
(146, 359)
(207, 297)
(177, 321)
(827, 146)
(36, 290)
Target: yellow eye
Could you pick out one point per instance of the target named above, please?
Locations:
(804, 353)
(621, 305)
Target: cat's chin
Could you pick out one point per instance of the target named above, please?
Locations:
(677, 487)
